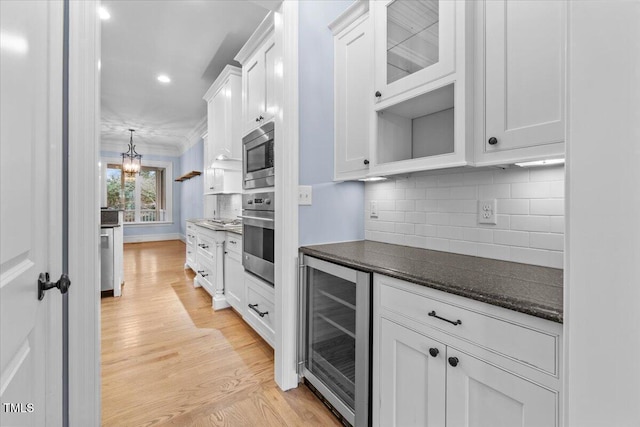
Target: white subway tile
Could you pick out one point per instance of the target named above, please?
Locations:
(554, 242)
(480, 235)
(503, 222)
(415, 193)
(493, 251)
(463, 219)
(436, 244)
(530, 190)
(511, 238)
(426, 230)
(439, 193)
(467, 192)
(549, 173)
(415, 241)
(428, 181)
(393, 216)
(556, 189)
(448, 232)
(409, 182)
(464, 248)
(511, 175)
(404, 228)
(384, 205)
(556, 224)
(556, 259)
(405, 205)
(530, 223)
(478, 178)
(427, 205)
(457, 206)
(373, 225)
(513, 206)
(437, 219)
(530, 256)
(449, 180)
(494, 191)
(415, 217)
(547, 207)
(379, 236)
(391, 194)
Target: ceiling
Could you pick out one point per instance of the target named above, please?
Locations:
(191, 41)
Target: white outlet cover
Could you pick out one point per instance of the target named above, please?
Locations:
(373, 209)
(487, 211)
(304, 195)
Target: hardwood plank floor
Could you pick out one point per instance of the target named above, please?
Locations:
(169, 359)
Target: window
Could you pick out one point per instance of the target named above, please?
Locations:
(143, 197)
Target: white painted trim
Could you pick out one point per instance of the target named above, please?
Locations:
(194, 136)
(227, 72)
(153, 237)
(183, 238)
(356, 10)
(286, 186)
(259, 35)
(142, 148)
(84, 212)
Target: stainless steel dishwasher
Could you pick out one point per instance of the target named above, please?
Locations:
(335, 335)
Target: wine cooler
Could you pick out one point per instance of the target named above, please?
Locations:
(335, 336)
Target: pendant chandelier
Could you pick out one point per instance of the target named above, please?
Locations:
(131, 159)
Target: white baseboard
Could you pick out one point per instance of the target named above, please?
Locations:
(152, 237)
(183, 238)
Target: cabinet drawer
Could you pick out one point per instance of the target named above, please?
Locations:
(206, 274)
(260, 296)
(233, 243)
(206, 247)
(503, 336)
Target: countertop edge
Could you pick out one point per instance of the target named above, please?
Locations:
(536, 310)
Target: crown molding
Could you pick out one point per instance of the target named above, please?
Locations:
(229, 70)
(194, 135)
(353, 12)
(259, 35)
(142, 148)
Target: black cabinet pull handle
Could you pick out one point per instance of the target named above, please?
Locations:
(378, 94)
(200, 271)
(260, 313)
(366, 162)
(453, 361)
(493, 140)
(457, 322)
(434, 351)
(203, 275)
(260, 118)
(257, 119)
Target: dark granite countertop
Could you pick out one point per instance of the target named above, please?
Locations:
(525, 288)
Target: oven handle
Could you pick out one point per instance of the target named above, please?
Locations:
(256, 218)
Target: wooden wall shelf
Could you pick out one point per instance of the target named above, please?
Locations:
(188, 175)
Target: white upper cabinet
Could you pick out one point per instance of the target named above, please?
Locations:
(520, 80)
(258, 60)
(353, 86)
(224, 103)
(415, 43)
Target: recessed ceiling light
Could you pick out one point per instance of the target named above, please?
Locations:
(163, 78)
(104, 14)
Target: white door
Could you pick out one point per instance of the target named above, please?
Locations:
(483, 395)
(30, 219)
(412, 370)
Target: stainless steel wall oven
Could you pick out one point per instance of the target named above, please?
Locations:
(258, 234)
(257, 158)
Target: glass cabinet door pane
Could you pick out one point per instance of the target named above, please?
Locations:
(412, 37)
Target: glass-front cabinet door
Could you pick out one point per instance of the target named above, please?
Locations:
(414, 44)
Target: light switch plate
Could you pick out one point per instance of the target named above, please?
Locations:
(487, 211)
(304, 195)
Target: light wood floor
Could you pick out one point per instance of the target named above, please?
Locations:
(169, 359)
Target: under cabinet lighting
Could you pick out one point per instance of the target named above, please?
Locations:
(373, 179)
(104, 14)
(547, 162)
(163, 78)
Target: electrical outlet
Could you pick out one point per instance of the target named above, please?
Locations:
(304, 195)
(373, 209)
(487, 211)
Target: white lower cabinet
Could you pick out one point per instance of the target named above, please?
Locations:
(259, 312)
(434, 365)
(234, 273)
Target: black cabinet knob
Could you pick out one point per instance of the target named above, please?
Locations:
(453, 361)
(260, 118)
(366, 162)
(434, 351)
(378, 94)
(257, 119)
(493, 140)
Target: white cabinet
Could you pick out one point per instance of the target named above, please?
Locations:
(191, 246)
(353, 86)
(209, 262)
(446, 360)
(415, 43)
(520, 80)
(258, 60)
(218, 180)
(234, 272)
(259, 312)
(224, 106)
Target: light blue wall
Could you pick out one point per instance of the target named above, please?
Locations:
(191, 194)
(337, 212)
(174, 227)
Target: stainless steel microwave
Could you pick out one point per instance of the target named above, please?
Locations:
(257, 158)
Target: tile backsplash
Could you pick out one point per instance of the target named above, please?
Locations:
(438, 210)
(223, 206)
